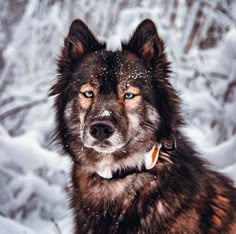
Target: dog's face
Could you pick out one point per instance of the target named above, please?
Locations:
(113, 103)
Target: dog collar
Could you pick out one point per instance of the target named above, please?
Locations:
(150, 159)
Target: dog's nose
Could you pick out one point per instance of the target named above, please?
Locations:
(101, 130)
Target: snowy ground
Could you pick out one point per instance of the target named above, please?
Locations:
(34, 177)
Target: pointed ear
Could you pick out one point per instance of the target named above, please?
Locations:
(145, 42)
(80, 41)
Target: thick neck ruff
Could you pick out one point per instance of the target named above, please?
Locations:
(150, 159)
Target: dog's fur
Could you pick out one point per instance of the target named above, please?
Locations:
(180, 194)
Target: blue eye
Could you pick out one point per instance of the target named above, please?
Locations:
(129, 96)
(88, 94)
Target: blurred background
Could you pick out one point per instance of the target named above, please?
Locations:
(200, 39)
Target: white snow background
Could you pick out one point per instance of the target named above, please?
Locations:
(201, 44)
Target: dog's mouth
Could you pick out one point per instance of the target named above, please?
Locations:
(108, 147)
(103, 148)
(149, 159)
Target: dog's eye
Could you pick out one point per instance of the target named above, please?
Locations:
(129, 96)
(88, 94)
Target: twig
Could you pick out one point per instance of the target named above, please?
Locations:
(229, 90)
(56, 226)
(21, 108)
(6, 101)
(10, 99)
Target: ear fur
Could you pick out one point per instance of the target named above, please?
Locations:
(80, 41)
(147, 45)
(146, 42)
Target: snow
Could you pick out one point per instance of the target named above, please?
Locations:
(9, 226)
(34, 174)
(105, 113)
(223, 155)
(33, 180)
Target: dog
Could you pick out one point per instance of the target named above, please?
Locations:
(119, 119)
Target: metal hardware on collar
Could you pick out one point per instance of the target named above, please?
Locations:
(171, 147)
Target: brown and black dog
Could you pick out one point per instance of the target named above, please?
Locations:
(118, 117)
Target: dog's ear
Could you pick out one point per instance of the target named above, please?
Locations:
(80, 41)
(146, 42)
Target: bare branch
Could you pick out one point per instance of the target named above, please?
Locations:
(229, 90)
(21, 108)
(56, 226)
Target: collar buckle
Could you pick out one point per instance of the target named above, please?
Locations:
(169, 145)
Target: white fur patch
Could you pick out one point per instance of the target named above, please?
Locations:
(153, 115)
(108, 164)
(68, 110)
(104, 168)
(81, 117)
(105, 173)
(160, 207)
(105, 113)
(134, 120)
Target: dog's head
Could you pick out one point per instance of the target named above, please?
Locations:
(114, 103)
